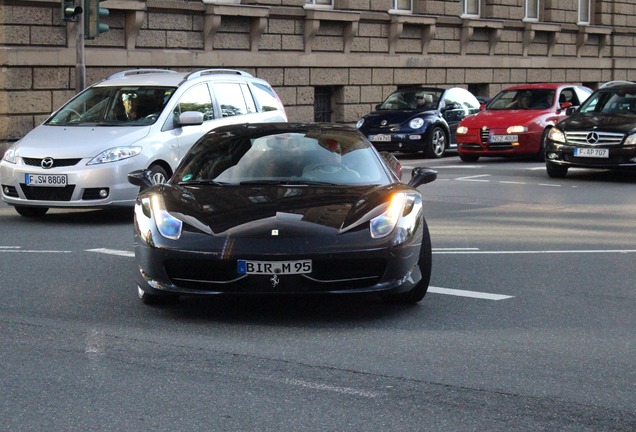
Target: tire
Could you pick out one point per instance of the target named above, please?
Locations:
(31, 212)
(540, 157)
(417, 293)
(436, 144)
(556, 171)
(158, 174)
(468, 158)
(156, 300)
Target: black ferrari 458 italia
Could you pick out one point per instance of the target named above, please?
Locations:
(283, 208)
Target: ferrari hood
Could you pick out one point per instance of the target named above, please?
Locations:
(599, 122)
(77, 141)
(254, 211)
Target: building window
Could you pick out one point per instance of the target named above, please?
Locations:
(319, 3)
(532, 10)
(584, 11)
(402, 5)
(323, 97)
(470, 8)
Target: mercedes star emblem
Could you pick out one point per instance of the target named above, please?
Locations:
(592, 138)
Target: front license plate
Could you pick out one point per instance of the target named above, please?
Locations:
(380, 138)
(51, 180)
(504, 138)
(591, 152)
(274, 267)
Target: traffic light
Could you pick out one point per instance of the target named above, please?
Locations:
(93, 15)
(70, 11)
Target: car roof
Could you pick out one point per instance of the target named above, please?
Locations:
(542, 86)
(165, 77)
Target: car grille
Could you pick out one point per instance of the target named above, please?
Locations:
(48, 193)
(217, 275)
(485, 135)
(56, 162)
(599, 138)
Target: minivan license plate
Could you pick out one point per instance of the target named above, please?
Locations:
(274, 267)
(50, 180)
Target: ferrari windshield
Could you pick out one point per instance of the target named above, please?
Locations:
(292, 157)
(412, 99)
(524, 99)
(114, 106)
(621, 101)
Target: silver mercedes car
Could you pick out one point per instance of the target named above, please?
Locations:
(138, 119)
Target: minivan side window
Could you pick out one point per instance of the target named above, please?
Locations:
(231, 99)
(266, 97)
(196, 99)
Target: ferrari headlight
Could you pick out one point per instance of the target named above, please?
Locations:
(556, 135)
(115, 154)
(383, 225)
(416, 123)
(168, 225)
(360, 123)
(516, 129)
(631, 139)
(462, 130)
(9, 155)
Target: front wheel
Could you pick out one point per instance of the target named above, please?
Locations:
(31, 212)
(436, 145)
(556, 171)
(418, 292)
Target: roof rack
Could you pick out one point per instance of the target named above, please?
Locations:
(617, 82)
(138, 72)
(199, 73)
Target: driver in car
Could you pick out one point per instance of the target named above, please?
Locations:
(129, 100)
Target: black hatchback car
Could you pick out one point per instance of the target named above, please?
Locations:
(419, 119)
(600, 134)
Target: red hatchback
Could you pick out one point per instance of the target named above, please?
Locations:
(517, 120)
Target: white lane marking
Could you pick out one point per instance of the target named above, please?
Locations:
(536, 168)
(455, 249)
(336, 389)
(112, 252)
(517, 252)
(470, 294)
(513, 182)
(549, 184)
(474, 178)
(18, 249)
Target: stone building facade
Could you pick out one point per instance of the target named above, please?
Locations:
(329, 60)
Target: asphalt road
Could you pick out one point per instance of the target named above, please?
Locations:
(528, 325)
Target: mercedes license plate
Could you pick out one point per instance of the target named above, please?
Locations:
(51, 180)
(591, 152)
(274, 267)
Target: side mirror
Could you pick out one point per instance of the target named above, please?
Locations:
(565, 105)
(140, 178)
(570, 110)
(451, 106)
(191, 118)
(421, 175)
(377, 107)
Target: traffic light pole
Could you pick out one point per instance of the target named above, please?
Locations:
(80, 60)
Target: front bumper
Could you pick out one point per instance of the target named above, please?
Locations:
(563, 154)
(84, 184)
(473, 144)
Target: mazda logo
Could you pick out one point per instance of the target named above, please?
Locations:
(47, 163)
(592, 138)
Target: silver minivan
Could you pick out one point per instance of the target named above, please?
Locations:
(137, 119)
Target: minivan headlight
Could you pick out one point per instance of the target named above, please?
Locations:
(631, 139)
(9, 155)
(115, 154)
(556, 135)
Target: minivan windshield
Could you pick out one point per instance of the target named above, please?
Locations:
(114, 106)
(611, 102)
